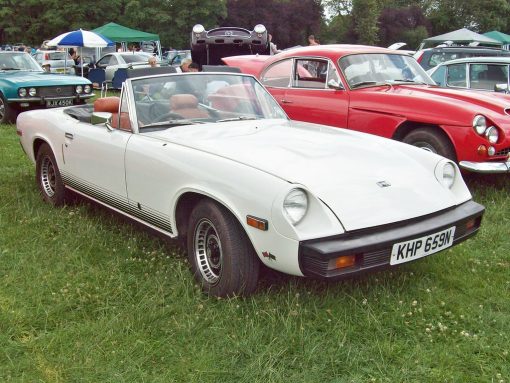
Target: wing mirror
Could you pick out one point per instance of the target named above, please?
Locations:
(333, 84)
(105, 118)
(501, 88)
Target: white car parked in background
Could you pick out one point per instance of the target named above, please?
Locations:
(113, 61)
(212, 159)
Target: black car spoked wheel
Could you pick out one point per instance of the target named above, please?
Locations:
(48, 177)
(7, 113)
(221, 256)
(432, 141)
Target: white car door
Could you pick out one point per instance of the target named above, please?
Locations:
(154, 170)
(94, 162)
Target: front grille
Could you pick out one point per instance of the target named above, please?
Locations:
(503, 152)
(56, 91)
(375, 258)
(228, 32)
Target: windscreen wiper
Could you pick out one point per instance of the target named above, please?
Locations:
(9, 68)
(409, 81)
(361, 83)
(240, 118)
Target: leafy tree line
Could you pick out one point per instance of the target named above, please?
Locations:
(375, 22)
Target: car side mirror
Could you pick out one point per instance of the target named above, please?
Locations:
(502, 88)
(333, 84)
(105, 118)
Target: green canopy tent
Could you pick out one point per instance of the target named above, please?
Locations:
(501, 37)
(123, 35)
(460, 36)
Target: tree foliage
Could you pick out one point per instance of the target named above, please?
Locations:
(407, 24)
(290, 21)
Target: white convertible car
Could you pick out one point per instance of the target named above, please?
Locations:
(212, 159)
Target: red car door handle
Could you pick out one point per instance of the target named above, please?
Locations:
(284, 101)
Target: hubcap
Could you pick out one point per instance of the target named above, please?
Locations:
(48, 176)
(425, 146)
(208, 252)
(2, 109)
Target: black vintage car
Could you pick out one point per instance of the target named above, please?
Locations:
(209, 47)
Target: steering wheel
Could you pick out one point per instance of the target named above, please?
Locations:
(168, 116)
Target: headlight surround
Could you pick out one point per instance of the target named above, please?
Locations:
(492, 134)
(259, 28)
(79, 89)
(32, 92)
(480, 124)
(295, 205)
(449, 174)
(87, 88)
(198, 29)
(22, 92)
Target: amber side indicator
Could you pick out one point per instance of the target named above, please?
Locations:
(257, 223)
(470, 224)
(482, 150)
(345, 261)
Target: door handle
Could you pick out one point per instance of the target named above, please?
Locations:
(284, 101)
(69, 135)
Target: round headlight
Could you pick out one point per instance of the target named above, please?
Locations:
(295, 205)
(259, 28)
(22, 92)
(492, 135)
(449, 174)
(480, 124)
(79, 89)
(32, 92)
(198, 28)
(87, 88)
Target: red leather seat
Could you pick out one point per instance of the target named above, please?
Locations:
(186, 105)
(230, 98)
(111, 105)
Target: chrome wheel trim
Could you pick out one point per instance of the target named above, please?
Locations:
(48, 176)
(2, 109)
(208, 252)
(425, 146)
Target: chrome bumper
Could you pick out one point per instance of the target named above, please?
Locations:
(486, 167)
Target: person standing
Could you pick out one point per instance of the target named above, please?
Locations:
(313, 41)
(272, 46)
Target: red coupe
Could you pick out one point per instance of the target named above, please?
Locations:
(384, 92)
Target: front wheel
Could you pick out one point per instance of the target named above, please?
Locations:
(48, 177)
(7, 112)
(432, 141)
(221, 256)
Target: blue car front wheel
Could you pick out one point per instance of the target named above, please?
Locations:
(7, 114)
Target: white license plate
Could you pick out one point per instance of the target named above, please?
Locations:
(57, 103)
(421, 247)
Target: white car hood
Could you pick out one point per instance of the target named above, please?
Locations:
(341, 167)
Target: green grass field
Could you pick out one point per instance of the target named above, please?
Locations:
(86, 296)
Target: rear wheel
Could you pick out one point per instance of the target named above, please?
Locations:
(221, 256)
(7, 112)
(48, 177)
(431, 140)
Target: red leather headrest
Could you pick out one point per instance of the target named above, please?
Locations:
(107, 104)
(183, 101)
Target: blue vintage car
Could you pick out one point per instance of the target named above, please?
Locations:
(25, 85)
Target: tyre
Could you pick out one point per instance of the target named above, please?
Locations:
(221, 256)
(7, 112)
(432, 140)
(47, 176)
